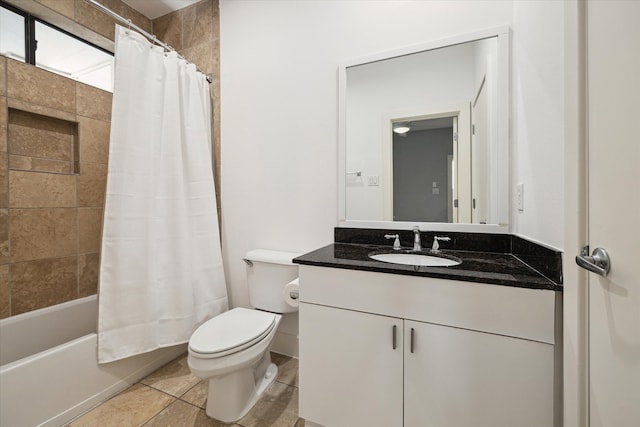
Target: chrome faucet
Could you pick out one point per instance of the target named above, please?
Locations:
(436, 246)
(417, 246)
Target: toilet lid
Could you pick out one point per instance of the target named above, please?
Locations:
(231, 331)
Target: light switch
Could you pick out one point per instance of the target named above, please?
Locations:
(520, 197)
(373, 180)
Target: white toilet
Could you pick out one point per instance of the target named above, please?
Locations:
(231, 350)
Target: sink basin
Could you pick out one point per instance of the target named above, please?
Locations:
(416, 259)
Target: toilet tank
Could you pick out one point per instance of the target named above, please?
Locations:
(268, 272)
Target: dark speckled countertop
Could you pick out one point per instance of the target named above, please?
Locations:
(483, 267)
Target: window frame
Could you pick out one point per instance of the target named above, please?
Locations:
(30, 42)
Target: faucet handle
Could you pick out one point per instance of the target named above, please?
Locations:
(436, 246)
(396, 243)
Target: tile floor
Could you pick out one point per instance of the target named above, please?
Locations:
(172, 396)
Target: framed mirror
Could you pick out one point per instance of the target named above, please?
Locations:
(424, 136)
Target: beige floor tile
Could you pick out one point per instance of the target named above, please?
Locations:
(133, 407)
(287, 368)
(182, 414)
(278, 407)
(174, 378)
(197, 395)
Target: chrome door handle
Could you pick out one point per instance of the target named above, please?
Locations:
(597, 263)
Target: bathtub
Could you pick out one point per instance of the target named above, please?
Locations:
(48, 365)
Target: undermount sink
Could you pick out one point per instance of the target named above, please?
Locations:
(416, 259)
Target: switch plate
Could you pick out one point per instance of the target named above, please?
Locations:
(520, 197)
(373, 180)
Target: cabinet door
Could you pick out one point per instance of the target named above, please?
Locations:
(456, 377)
(350, 374)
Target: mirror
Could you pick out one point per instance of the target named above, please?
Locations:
(424, 135)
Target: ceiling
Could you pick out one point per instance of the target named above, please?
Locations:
(153, 9)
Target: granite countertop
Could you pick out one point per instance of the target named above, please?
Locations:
(481, 267)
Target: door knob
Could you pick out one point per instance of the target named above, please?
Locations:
(597, 263)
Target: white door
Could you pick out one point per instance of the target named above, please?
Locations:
(613, 75)
(480, 157)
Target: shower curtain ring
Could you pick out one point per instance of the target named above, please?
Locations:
(129, 23)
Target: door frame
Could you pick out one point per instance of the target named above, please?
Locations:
(575, 290)
(461, 149)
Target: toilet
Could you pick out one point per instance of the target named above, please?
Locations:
(231, 350)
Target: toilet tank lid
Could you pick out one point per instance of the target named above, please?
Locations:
(271, 256)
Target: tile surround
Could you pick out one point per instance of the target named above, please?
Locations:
(88, 272)
(3, 76)
(3, 121)
(5, 292)
(92, 184)
(41, 190)
(18, 104)
(4, 180)
(94, 135)
(41, 207)
(36, 164)
(42, 283)
(42, 233)
(4, 236)
(63, 7)
(89, 229)
(93, 102)
(35, 85)
(35, 135)
(168, 28)
(197, 24)
(201, 56)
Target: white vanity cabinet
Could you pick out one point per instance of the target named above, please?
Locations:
(466, 354)
(353, 376)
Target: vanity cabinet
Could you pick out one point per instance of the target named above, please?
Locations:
(352, 375)
(466, 354)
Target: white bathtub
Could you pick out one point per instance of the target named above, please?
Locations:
(48, 365)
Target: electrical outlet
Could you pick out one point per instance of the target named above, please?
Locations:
(520, 197)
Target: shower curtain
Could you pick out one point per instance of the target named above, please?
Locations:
(161, 271)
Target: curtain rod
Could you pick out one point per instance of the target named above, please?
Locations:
(149, 36)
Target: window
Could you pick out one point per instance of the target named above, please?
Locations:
(53, 49)
(12, 43)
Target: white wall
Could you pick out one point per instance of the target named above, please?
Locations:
(537, 120)
(279, 63)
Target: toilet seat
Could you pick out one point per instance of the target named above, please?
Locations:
(230, 332)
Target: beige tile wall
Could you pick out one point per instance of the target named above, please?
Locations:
(54, 146)
(53, 168)
(194, 32)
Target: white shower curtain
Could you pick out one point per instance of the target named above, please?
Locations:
(161, 269)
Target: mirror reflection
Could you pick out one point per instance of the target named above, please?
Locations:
(422, 137)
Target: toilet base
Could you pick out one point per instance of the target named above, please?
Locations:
(232, 396)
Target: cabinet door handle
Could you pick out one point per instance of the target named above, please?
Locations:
(393, 337)
(411, 340)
